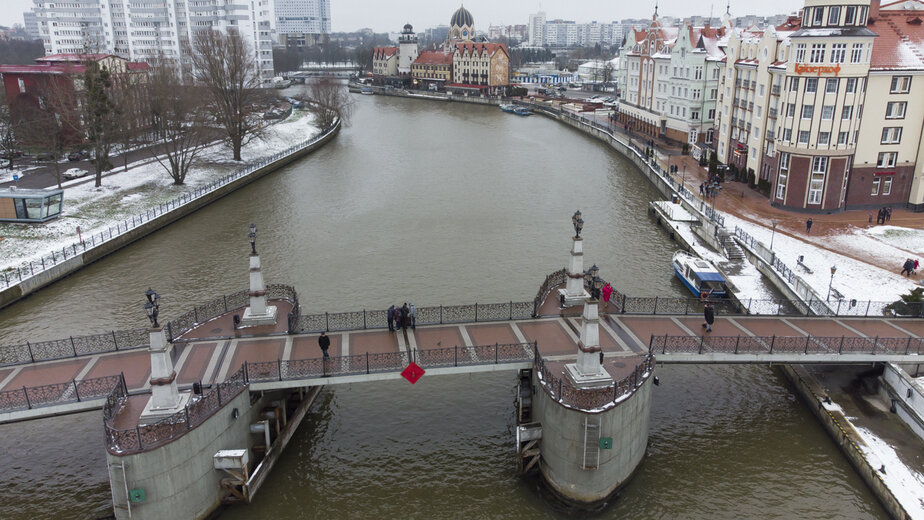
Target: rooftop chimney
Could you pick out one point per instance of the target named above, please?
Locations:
(874, 9)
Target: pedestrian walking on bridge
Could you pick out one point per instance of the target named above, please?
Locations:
(709, 316)
(808, 226)
(324, 343)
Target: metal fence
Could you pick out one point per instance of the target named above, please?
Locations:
(25, 271)
(784, 345)
(592, 399)
(113, 341)
(149, 436)
(73, 391)
(436, 315)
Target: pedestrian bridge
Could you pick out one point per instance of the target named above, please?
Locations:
(77, 373)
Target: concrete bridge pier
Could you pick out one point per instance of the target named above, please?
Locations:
(588, 455)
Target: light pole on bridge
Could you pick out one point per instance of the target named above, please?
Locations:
(773, 233)
(831, 284)
(165, 397)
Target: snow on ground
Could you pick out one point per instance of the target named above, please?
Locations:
(905, 483)
(853, 278)
(125, 193)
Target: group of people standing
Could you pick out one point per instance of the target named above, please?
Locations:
(910, 267)
(884, 215)
(402, 317)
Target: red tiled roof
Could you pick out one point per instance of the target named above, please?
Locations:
(900, 44)
(41, 69)
(433, 58)
(385, 52)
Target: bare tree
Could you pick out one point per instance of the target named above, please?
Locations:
(329, 100)
(225, 65)
(8, 144)
(607, 71)
(178, 121)
(39, 130)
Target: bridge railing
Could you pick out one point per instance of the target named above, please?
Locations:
(118, 340)
(593, 399)
(144, 437)
(73, 391)
(436, 315)
(17, 275)
(667, 344)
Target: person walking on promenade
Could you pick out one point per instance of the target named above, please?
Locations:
(709, 316)
(391, 318)
(888, 214)
(413, 314)
(405, 314)
(808, 226)
(880, 216)
(607, 292)
(324, 343)
(907, 267)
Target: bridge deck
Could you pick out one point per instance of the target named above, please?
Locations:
(199, 359)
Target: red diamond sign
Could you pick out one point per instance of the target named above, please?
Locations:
(412, 373)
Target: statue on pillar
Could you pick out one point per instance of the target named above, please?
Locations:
(165, 397)
(588, 371)
(574, 293)
(258, 312)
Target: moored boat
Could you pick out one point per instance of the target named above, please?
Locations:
(367, 91)
(508, 108)
(699, 276)
(522, 111)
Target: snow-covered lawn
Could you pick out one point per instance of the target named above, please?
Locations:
(906, 483)
(125, 193)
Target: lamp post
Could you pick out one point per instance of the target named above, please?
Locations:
(578, 223)
(831, 284)
(773, 233)
(165, 397)
(152, 307)
(253, 239)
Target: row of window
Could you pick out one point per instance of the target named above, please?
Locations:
(850, 15)
(831, 85)
(818, 51)
(882, 184)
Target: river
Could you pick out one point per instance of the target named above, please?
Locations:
(434, 203)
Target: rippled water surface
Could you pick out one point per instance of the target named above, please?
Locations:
(434, 203)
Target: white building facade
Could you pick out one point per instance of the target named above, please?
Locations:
(302, 16)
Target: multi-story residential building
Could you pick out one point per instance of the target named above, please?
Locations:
(537, 29)
(821, 109)
(668, 80)
(141, 31)
(302, 17)
(384, 63)
(30, 24)
(432, 68)
(503, 32)
(568, 33)
(480, 64)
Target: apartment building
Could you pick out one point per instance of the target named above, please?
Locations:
(668, 78)
(141, 31)
(822, 108)
(568, 33)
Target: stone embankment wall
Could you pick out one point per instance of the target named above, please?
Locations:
(844, 435)
(73, 264)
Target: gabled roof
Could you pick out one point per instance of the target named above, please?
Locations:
(900, 45)
(480, 48)
(384, 52)
(433, 58)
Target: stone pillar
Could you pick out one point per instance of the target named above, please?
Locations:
(574, 293)
(165, 397)
(587, 371)
(258, 313)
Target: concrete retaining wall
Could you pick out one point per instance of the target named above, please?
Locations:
(907, 395)
(71, 265)
(840, 429)
(562, 445)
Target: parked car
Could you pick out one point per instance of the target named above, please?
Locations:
(45, 156)
(74, 173)
(78, 155)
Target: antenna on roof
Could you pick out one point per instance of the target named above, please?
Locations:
(656, 9)
(728, 8)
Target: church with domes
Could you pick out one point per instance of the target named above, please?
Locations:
(465, 64)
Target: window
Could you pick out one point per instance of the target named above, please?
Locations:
(22, 86)
(787, 134)
(851, 85)
(827, 112)
(808, 111)
(850, 15)
(800, 54)
(856, 53)
(811, 85)
(803, 136)
(711, 114)
(781, 185)
(838, 52)
(876, 182)
(887, 186)
(698, 73)
(713, 93)
(759, 111)
(846, 112)
(790, 109)
(887, 160)
(818, 16)
(900, 85)
(817, 54)
(834, 14)
(793, 84)
(694, 114)
(831, 85)
(891, 135)
(895, 110)
(817, 180)
(842, 138)
(760, 90)
(824, 138)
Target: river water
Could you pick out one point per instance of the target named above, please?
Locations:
(437, 204)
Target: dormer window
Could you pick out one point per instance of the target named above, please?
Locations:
(850, 15)
(834, 14)
(818, 16)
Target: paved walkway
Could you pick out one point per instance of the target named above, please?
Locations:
(211, 361)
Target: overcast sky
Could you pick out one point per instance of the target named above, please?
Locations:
(390, 16)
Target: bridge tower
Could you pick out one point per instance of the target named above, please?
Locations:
(593, 413)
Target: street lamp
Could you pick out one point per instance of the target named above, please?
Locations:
(773, 233)
(833, 270)
(152, 307)
(590, 277)
(578, 223)
(253, 239)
